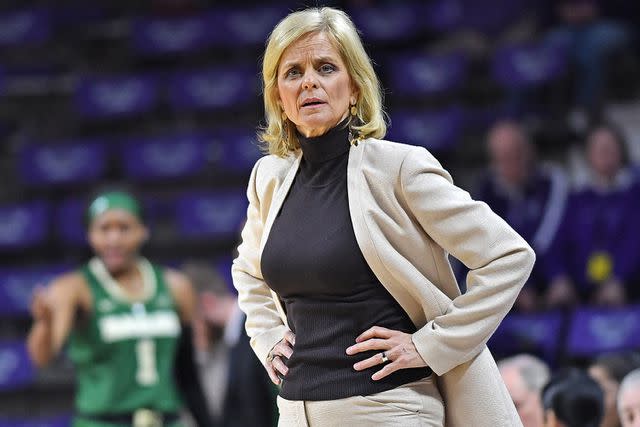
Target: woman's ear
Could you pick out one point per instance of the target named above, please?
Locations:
(355, 93)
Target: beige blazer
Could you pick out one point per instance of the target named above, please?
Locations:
(407, 216)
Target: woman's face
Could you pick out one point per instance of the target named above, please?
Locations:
(116, 236)
(314, 88)
(604, 153)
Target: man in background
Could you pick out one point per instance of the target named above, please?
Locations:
(525, 375)
(238, 390)
(529, 196)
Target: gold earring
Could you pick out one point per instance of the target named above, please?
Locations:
(354, 135)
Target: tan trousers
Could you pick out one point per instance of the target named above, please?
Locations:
(416, 404)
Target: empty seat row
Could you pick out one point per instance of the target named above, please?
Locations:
(215, 215)
(585, 333)
(142, 158)
(241, 26)
(129, 95)
(514, 66)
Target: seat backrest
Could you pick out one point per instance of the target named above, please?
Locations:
(101, 97)
(62, 162)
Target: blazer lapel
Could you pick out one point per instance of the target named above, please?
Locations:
(356, 185)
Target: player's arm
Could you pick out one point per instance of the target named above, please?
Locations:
(53, 309)
(186, 372)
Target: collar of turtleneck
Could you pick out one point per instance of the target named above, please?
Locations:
(327, 146)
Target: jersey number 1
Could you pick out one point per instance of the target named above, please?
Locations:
(146, 356)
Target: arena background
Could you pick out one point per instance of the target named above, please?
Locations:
(164, 96)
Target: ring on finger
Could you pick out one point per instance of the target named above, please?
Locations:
(385, 358)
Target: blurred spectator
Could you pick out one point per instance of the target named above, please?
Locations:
(629, 400)
(529, 196)
(596, 254)
(572, 399)
(590, 40)
(609, 370)
(524, 376)
(238, 390)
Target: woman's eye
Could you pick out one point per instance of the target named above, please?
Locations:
(292, 72)
(327, 68)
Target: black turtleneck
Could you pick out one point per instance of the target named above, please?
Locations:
(312, 260)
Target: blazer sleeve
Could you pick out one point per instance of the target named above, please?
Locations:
(499, 261)
(263, 324)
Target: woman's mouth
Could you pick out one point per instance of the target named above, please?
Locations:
(311, 103)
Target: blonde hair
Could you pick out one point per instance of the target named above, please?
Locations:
(279, 138)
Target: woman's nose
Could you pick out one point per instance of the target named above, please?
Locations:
(309, 81)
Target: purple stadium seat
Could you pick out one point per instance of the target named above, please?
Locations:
(17, 286)
(211, 214)
(248, 25)
(526, 65)
(596, 330)
(234, 150)
(529, 333)
(24, 27)
(23, 225)
(489, 16)
(97, 97)
(159, 36)
(396, 21)
(70, 222)
(444, 15)
(212, 88)
(438, 131)
(427, 74)
(60, 421)
(63, 163)
(167, 156)
(16, 369)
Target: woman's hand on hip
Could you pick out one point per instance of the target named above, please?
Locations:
(275, 366)
(397, 351)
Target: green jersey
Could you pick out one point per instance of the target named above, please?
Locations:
(124, 353)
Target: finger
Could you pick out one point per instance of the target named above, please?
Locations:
(369, 362)
(375, 332)
(385, 371)
(290, 337)
(272, 374)
(279, 366)
(283, 349)
(370, 344)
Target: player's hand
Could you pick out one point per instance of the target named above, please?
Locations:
(397, 351)
(275, 365)
(40, 305)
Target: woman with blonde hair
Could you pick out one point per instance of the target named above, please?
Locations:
(343, 268)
